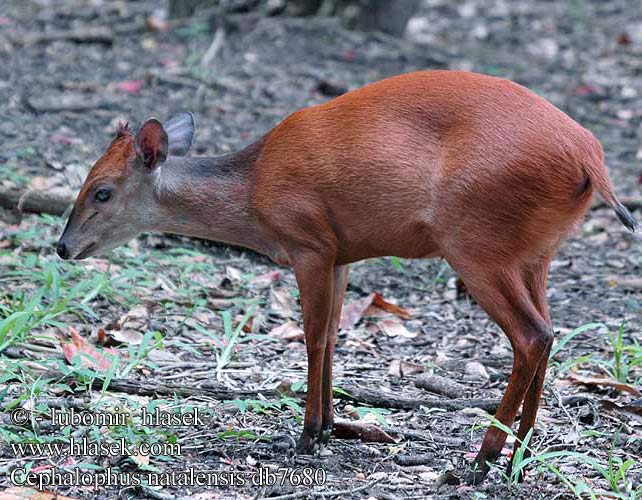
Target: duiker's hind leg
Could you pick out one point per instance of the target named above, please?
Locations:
(536, 277)
(503, 294)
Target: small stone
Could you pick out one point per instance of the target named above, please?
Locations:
(625, 114)
(629, 92)
(467, 10)
(418, 31)
(480, 32)
(477, 370)
(547, 47)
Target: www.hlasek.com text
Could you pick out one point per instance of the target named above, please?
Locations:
(85, 447)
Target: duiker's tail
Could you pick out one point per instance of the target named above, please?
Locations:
(599, 178)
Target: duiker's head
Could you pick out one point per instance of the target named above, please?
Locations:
(117, 200)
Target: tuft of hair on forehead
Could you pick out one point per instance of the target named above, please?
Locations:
(123, 129)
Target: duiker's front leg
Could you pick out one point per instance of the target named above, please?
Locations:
(315, 277)
(339, 289)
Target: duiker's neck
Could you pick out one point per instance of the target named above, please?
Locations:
(208, 197)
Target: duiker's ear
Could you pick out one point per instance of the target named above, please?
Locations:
(151, 143)
(180, 132)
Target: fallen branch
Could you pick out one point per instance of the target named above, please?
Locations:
(385, 400)
(214, 391)
(353, 394)
(31, 200)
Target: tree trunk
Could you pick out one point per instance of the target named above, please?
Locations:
(377, 15)
(187, 8)
(364, 15)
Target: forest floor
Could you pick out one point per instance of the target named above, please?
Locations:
(184, 325)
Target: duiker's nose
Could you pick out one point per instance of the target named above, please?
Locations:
(61, 249)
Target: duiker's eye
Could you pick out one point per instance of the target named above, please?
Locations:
(102, 195)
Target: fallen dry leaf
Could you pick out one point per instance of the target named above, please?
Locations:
(248, 326)
(604, 381)
(90, 357)
(282, 303)
(289, 331)
(156, 23)
(233, 273)
(165, 284)
(140, 459)
(353, 312)
(135, 319)
(629, 282)
(265, 280)
(60, 138)
(285, 388)
(130, 86)
(128, 329)
(41, 468)
(399, 368)
(219, 304)
(131, 337)
(39, 182)
(378, 301)
(633, 410)
(395, 328)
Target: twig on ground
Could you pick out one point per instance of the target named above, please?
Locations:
(214, 48)
(412, 459)
(427, 436)
(440, 385)
(68, 102)
(89, 34)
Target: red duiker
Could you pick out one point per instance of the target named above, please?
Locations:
(474, 169)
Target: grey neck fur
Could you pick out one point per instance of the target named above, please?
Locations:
(208, 197)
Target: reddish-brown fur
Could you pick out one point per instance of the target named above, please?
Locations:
(474, 169)
(112, 165)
